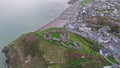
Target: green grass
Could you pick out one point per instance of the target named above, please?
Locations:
(54, 51)
(70, 43)
(85, 2)
(85, 45)
(91, 41)
(56, 35)
(51, 45)
(75, 63)
(94, 44)
(112, 59)
(78, 61)
(46, 30)
(106, 62)
(86, 48)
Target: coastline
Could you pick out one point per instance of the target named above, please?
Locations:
(58, 21)
(7, 55)
(61, 19)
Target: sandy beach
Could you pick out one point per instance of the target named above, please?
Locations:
(63, 18)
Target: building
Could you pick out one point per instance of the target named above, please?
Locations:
(47, 35)
(104, 39)
(105, 52)
(64, 37)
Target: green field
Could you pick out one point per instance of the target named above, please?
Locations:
(46, 30)
(56, 35)
(85, 2)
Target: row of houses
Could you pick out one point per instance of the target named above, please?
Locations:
(109, 41)
(100, 8)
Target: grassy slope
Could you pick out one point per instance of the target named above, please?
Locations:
(84, 45)
(52, 52)
(47, 51)
(21, 48)
(85, 2)
(87, 50)
(112, 59)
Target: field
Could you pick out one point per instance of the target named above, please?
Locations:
(56, 35)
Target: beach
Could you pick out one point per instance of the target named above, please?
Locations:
(63, 18)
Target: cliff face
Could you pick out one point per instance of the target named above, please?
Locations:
(7, 55)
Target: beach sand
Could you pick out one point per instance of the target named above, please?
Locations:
(63, 18)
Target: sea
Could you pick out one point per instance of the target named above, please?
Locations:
(22, 16)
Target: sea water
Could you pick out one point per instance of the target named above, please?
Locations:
(22, 16)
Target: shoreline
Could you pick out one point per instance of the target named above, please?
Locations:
(62, 19)
(58, 21)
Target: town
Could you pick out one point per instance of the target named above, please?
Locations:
(80, 26)
(108, 8)
(85, 35)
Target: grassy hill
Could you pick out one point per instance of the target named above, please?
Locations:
(31, 50)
